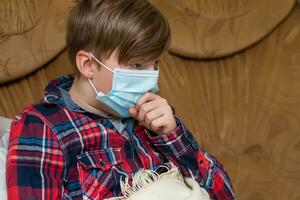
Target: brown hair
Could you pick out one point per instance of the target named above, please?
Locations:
(134, 28)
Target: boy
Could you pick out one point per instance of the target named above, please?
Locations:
(101, 126)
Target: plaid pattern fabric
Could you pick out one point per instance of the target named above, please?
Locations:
(60, 151)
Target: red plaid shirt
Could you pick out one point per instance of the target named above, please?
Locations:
(60, 151)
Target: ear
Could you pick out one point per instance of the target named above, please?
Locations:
(84, 64)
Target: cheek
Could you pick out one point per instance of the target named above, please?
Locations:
(104, 83)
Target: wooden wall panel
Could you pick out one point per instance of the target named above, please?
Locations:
(16, 95)
(244, 109)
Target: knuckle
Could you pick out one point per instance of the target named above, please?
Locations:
(147, 119)
(153, 125)
(166, 109)
(143, 109)
(147, 94)
(138, 104)
(164, 100)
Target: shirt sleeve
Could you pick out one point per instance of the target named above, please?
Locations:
(35, 161)
(180, 147)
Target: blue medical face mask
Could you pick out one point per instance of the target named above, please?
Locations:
(127, 87)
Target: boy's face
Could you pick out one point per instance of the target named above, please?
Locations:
(102, 78)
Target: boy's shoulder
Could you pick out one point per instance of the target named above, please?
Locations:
(43, 113)
(58, 122)
(42, 109)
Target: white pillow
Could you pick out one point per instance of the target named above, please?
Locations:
(149, 185)
(3, 192)
(4, 137)
(3, 154)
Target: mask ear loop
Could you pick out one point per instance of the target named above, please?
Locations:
(104, 67)
(93, 86)
(90, 79)
(101, 63)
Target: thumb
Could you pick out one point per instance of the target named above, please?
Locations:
(133, 112)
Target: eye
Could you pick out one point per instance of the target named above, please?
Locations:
(137, 66)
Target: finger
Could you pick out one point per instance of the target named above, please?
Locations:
(144, 125)
(152, 115)
(145, 108)
(133, 112)
(158, 123)
(145, 98)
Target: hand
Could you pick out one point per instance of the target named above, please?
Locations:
(154, 113)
